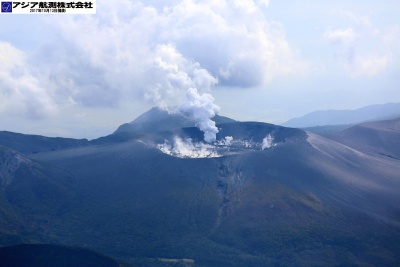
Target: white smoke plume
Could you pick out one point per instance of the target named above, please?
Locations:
(267, 142)
(201, 108)
(175, 75)
(227, 141)
(171, 75)
(187, 149)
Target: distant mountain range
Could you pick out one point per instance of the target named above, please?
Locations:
(155, 194)
(346, 117)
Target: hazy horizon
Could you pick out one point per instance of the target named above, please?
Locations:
(82, 76)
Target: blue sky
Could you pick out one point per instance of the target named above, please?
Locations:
(84, 75)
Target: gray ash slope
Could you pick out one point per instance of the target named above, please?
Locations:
(377, 137)
(32, 194)
(304, 201)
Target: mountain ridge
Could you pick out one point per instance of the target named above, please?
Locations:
(346, 117)
(31, 144)
(299, 200)
(385, 135)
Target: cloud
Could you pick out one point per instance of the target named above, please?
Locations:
(21, 89)
(355, 18)
(149, 50)
(362, 52)
(127, 49)
(369, 65)
(264, 3)
(235, 42)
(345, 36)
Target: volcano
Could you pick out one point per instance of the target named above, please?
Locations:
(267, 195)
